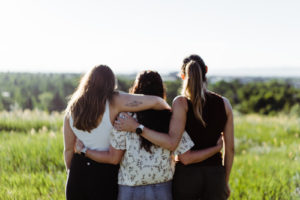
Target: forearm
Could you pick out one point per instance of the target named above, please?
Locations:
(161, 139)
(191, 157)
(68, 155)
(101, 156)
(228, 161)
(113, 156)
(164, 140)
(69, 142)
(228, 139)
(134, 102)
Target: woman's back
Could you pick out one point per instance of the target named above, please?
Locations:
(215, 118)
(99, 137)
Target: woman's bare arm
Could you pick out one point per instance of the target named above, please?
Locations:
(134, 102)
(177, 126)
(112, 156)
(229, 142)
(69, 142)
(192, 156)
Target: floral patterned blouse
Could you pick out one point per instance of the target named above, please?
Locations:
(140, 167)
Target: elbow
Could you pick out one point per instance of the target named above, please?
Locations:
(184, 160)
(172, 146)
(157, 103)
(68, 151)
(115, 161)
(161, 104)
(230, 150)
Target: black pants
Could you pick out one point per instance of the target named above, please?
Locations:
(89, 180)
(199, 182)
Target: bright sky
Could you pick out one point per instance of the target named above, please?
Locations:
(132, 35)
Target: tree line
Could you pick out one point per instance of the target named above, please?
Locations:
(50, 92)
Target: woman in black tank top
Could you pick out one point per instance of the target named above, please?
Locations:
(199, 174)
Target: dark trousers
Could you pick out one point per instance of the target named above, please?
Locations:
(193, 182)
(89, 180)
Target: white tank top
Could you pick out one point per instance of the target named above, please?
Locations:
(99, 137)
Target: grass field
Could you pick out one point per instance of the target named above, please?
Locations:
(266, 166)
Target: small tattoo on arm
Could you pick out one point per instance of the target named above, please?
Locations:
(134, 103)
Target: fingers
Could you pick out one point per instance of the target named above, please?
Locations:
(126, 115)
(228, 191)
(121, 115)
(78, 145)
(79, 142)
(125, 122)
(220, 141)
(117, 125)
(228, 194)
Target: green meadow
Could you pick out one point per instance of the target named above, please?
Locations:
(266, 165)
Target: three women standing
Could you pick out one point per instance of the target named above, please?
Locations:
(146, 170)
(204, 114)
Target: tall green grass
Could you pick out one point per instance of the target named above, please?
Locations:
(31, 166)
(267, 159)
(266, 165)
(30, 121)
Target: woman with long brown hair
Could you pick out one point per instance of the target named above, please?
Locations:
(89, 116)
(205, 116)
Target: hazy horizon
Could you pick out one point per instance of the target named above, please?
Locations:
(72, 36)
(241, 72)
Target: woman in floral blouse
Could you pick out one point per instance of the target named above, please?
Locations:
(146, 170)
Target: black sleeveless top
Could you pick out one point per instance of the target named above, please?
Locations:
(214, 115)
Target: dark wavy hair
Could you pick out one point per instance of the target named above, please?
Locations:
(87, 103)
(150, 83)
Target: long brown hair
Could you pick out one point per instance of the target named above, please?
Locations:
(194, 86)
(150, 83)
(87, 103)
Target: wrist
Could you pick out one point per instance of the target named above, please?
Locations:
(134, 127)
(219, 147)
(83, 151)
(139, 130)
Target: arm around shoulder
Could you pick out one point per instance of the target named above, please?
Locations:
(195, 156)
(112, 156)
(177, 126)
(167, 141)
(135, 102)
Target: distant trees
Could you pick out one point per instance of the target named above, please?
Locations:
(50, 91)
(40, 91)
(264, 97)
